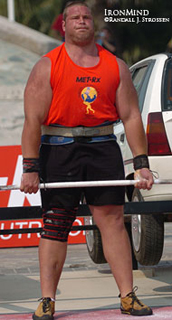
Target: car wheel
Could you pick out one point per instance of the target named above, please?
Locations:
(94, 242)
(147, 235)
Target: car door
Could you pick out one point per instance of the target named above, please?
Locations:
(167, 100)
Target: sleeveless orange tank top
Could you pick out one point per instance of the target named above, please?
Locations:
(82, 96)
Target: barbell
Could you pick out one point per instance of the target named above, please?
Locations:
(85, 184)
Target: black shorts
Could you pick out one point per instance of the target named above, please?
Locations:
(81, 161)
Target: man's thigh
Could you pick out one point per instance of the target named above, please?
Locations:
(106, 164)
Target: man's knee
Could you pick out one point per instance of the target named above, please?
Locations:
(108, 216)
(58, 224)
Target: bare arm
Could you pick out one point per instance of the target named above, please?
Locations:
(37, 100)
(128, 109)
(127, 106)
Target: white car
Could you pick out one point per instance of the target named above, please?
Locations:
(152, 78)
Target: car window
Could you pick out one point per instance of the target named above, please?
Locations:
(167, 87)
(140, 76)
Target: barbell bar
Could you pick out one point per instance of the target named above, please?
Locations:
(84, 184)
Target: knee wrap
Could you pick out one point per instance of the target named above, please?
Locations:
(58, 224)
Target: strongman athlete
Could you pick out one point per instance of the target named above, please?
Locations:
(74, 95)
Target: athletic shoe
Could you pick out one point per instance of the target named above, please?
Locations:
(133, 306)
(45, 309)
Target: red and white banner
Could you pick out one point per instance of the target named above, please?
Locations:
(10, 173)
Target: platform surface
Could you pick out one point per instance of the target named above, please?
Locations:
(159, 313)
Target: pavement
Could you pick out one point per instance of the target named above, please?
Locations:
(20, 48)
(15, 66)
(86, 290)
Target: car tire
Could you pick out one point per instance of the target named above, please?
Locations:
(147, 234)
(94, 242)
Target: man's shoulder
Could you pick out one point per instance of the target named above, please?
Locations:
(122, 65)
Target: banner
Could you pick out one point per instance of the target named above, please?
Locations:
(10, 173)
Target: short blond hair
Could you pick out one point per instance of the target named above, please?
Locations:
(71, 4)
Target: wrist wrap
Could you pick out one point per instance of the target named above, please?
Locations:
(30, 165)
(140, 162)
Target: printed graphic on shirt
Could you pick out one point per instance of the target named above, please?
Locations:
(89, 95)
(87, 79)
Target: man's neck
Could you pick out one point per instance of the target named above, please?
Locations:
(84, 56)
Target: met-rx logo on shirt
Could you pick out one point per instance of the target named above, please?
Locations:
(87, 79)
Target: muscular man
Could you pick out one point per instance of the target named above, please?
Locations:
(73, 96)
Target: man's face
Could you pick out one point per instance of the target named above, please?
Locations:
(79, 26)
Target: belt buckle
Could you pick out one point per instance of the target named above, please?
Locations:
(91, 132)
(85, 132)
(77, 131)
